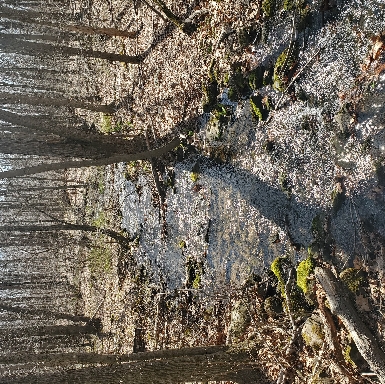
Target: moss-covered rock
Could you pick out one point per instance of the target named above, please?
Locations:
(304, 270)
(259, 107)
(194, 272)
(279, 267)
(273, 306)
(210, 93)
(353, 278)
(256, 77)
(284, 67)
(313, 333)
(238, 85)
(249, 35)
(240, 319)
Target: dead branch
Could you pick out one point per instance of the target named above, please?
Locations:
(341, 305)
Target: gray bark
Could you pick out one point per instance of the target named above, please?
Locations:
(38, 99)
(166, 366)
(341, 305)
(88, 163)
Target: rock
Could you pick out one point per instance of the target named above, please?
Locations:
(273, 306)
(312, 332)
(240, 320)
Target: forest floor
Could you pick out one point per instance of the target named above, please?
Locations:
(275, 161)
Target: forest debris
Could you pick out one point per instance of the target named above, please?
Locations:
(341, 305)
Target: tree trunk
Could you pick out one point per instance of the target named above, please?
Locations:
(38, 99)
(341, 305)
(33, 17)
(88, 163)
(166, 366)
(13, 45)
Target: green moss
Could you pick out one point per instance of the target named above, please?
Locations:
(194, 272)
(197, 281)
(194, 176)
(256, 77)
(260, 107)
(347, 357)
(268, 8)
(289, 5)
(305, 268)
(100, 260)
(353, 278)
(221, 113)
(283, 67)
(107, 126)
(232, 94)
(100, 221)
(256, 107)
(277, 268)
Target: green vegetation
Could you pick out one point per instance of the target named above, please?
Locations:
(304, 270)
(100, 260)
(277, 268)
(194, 272)
(284, 67)
(269, 8)
(101, 220)
(353, 278)
(256, 77)
(108, 127)
(194, 176)
(347, 357)
(289, 5)
(260, 107)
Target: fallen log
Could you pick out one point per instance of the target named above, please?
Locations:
(342, 306)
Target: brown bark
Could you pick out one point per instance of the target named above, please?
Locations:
(342, 306)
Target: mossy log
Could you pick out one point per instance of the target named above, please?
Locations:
(341, 305)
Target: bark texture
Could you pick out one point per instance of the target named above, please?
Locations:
(90, 163)
(342, 306)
